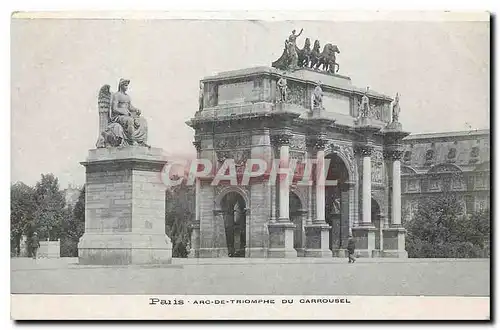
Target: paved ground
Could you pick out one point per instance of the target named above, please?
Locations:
(301, 276)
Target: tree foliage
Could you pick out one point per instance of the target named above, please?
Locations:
(22, 210)
(440, 229)
(179, 213)
(50, 207)
(73, 227)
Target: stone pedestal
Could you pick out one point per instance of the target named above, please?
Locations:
(281, 240)
(394, 243)
(124, 208)
(364, 237)
(317, 241)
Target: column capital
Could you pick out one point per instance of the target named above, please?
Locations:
(197, 145)
(282, 138)
(317, 142)
(393, 154)
(364, 150)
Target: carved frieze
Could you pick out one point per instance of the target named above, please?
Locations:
(232, 141)
(376, 111)
(296, 94)
(239, 156)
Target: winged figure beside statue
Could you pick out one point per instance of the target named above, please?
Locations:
(120, 123)
(293, 57)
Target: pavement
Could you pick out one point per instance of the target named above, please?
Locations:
(240, 276)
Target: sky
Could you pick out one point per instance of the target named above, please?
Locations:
(441, 71)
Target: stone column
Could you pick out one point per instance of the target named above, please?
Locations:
(284, 185)
(396, 192)
(194, 251)
(364, 233)
(367, 185)
(320, 187)
(281, 232)
(317, 233)
(394, 236)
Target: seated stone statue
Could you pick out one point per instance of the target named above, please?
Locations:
(121, 123)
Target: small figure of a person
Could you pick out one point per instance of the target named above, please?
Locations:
(34, 245)
(351, 246)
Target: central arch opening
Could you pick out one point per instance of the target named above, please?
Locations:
(337, 202)
(234, 210)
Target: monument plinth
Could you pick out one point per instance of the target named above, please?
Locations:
(124, 208)
(124, 193)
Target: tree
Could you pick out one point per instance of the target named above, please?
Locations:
(50, 206)
(180, 212)
(73, 227)
(440, 229)
(22, 209)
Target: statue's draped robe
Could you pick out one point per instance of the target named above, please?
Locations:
(132, 128)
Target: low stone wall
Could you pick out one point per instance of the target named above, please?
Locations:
(49, 249)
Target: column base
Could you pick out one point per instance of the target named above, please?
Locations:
(394, 242)
(124, 249)
(194, 253)
(364, 237)
(339, 253)
(394, 254)
(255, 253)
(317, 241)
(213, 253)
(281, 240)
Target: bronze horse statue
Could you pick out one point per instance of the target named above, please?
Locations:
(327, 59)
(315, 54)
(304, 54)
(292, 59)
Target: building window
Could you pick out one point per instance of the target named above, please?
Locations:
(457, 183)
(434, 184)
(412, 185)
(474, 155)
(407, 156)
(452, 154)
(429, 156)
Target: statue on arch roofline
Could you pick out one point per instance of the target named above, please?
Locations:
(121, 124)
(364, 107)
(396, 109)
(317, 97)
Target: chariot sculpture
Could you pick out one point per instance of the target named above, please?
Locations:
(294, 57)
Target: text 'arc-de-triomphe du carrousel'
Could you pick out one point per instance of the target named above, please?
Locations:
(298, 109)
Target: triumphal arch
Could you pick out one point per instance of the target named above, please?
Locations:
(298, 109)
